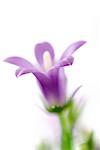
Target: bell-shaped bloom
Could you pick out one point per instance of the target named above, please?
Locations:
(49, 73)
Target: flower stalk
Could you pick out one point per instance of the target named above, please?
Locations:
(66, 132)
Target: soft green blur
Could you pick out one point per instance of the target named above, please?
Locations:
(68, 116)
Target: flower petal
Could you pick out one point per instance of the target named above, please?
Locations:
(26, 67)
(62, 85)
(17, 73)
(72, 48)
(58, 85)
(42, 79)
(40, 49)
(22, 71)
(19, 61)
(64, 62)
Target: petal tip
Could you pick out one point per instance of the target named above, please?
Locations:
(16, 74)
(82, 42)
(6, 60)
(41, 48)
(10, 60)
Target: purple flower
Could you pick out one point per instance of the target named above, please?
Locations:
(50, 73)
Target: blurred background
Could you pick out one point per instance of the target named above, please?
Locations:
(23, 23)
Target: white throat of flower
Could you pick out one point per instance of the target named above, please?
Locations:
(47, 61)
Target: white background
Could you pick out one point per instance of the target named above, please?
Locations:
(23, 23)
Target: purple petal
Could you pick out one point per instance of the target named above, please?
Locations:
(17, 73)
(40, 49)
(43, 80)
(39, 75)
(18, 61)
(64, 62)
(22, 71)
(62, 85)
(27, 67)
(58, 85)
(72, 48)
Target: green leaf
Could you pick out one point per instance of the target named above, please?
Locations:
(89, 143)
(44, 146)
(74, 112)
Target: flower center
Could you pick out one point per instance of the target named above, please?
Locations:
(47, 61)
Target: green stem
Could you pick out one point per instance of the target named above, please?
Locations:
(66, 137)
